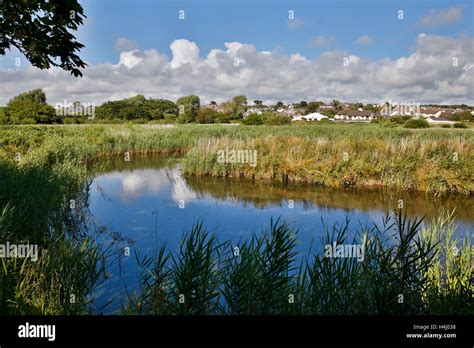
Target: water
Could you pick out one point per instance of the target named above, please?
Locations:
(149, 202)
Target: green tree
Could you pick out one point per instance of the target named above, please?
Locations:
(109, 110)
(302, 104)
(131, 111)
(336, 105)
(253, 120)
(328, 112)
(240, 100)
(158, 108)
(30, 107)
(41, 31)
(3, 118)
(312, 107)
(207, 115)
(258, 103)
(188, 108)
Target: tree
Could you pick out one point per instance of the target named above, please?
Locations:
(279, 105)
(235, 108)
(312, 107)
(336, 105)
(357, 106)
(137, 107)
(158, 108)
(208, 115)
(302, 104)
(240, 100)
(30, 107)
(3, 118)
(41, 30)
(188, 108)
(258, 103)
(132, 111)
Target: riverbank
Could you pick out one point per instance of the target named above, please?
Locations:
(437, 161)
(44, 169)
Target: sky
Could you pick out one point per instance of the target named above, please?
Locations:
(368, 51)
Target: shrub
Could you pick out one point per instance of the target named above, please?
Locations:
(460, 125)
(253, 120)
(223, 118)
(399, 119)
(206, 115)
(75, 120)
(274, 119)
(416, 123)
(170, 118)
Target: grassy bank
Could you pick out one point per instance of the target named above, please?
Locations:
(437, 161)
(43, 168)
(436, 166)
(407, 268)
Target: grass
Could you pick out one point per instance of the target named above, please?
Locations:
(408, 268)
(437, 161)
(43, 168)
(436, 166)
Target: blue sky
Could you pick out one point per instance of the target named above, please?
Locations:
(265, 24)
(143, 47)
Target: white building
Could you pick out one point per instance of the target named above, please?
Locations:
(355, 115)
(438, 120)
(315, 116)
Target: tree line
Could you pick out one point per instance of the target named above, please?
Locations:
(32, 108)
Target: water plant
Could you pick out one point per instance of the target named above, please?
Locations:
(407, 268)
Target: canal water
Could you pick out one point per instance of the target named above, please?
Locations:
(148, 202)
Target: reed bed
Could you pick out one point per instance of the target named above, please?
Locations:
(437, 166)
(43, 168)
(408, 268)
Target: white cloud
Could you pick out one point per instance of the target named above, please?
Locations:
(124, 44)
(425, 75)
(130, 59)
(436, 18)
(364, 40)
(321, 41)
(184, 52)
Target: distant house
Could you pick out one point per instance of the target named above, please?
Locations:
(214, 107)
(354, 115)
(429, 112)
(289, 111)
(325, 107)
(315, 116)
(253, 110)
(438, 120)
